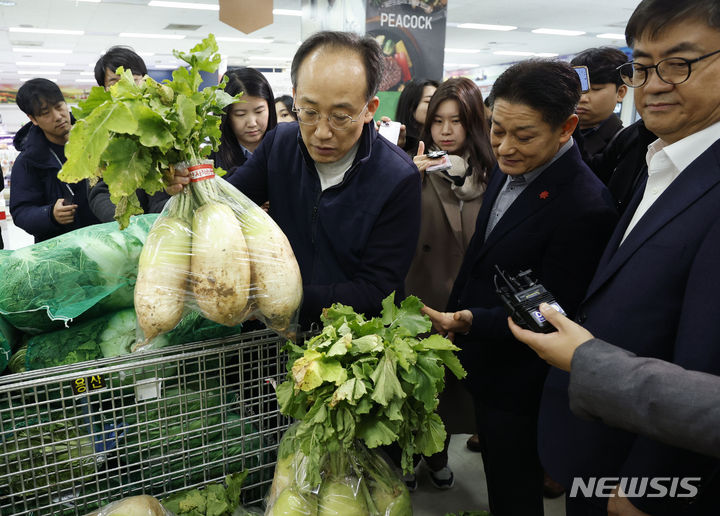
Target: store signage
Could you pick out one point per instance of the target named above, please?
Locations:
(412, 36)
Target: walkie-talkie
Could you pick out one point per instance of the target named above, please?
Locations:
(521, 295)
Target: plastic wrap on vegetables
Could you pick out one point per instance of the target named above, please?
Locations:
(84, 273)
(142, 505)
(355, 481)
(212, 249)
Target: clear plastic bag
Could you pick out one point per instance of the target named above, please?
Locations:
(143, 505)
(214, 250)
(355, 481)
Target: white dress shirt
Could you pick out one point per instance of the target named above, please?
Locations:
(666, 162)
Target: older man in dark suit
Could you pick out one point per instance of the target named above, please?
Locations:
(655, 290)
(543, 210)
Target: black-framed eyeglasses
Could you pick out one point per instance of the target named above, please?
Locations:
(672, 70)
(339, 121)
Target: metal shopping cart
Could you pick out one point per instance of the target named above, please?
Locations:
(73, 438)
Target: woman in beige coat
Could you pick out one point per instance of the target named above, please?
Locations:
(451, 200)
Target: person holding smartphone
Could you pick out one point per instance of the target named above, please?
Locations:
(452, 190)
(40, 203)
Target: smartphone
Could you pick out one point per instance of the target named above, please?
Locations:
(584, 75)
(390, 130)
(69, 197)
(445, 164)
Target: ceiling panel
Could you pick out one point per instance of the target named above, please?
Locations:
(102, 22)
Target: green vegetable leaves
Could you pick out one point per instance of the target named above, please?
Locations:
(130, 134)
(373, 380)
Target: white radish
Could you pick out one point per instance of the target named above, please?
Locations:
(220, 266)
(163, 272)
(275, 272)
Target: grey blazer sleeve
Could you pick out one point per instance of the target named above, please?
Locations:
(647, 396)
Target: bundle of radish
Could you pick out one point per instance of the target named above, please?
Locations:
(361, 383)
(211, 249)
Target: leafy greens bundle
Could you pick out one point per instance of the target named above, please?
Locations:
(372, 380)
(131, 134)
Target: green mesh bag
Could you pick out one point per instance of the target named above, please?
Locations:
(85, 273)
(9, 337)
(113, 335)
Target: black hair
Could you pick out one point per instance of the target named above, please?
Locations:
(366, 46)
(251, 83)
(116, 57)
(287, 100)
(652, 16)
(408, 102)
(36, 94)
(472, 116)
(550, 87)
(602, 63)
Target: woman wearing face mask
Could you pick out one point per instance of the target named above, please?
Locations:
(451, 200)
(411, 111)
(245, 122)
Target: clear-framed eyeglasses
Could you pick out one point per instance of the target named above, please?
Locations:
(672, 70)
(339, 121)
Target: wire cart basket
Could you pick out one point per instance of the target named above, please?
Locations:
(73, 438)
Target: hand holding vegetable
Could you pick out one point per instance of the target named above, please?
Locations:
(177, 182)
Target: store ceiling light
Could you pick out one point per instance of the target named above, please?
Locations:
(546, 54)
(87, 73)
(7, 3)
(287, 12)
(558, 32)
(484, 26)
(185, 5)
(151, 36)
(521, 53)
(36, 30)
(87, 81)
(36, 72)
(244, 40)
(610, 35)
(461, 51)
(42, 50)
(36, 63)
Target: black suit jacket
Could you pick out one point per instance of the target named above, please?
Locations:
(557, 227)
(656, 296)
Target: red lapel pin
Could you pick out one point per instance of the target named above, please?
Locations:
(544, 194)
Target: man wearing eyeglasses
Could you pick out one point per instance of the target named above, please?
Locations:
(348, 200)
(655, 292)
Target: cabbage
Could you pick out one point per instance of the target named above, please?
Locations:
(86, 272)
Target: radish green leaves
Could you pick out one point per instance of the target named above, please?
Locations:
(131, 134)
(373, 380)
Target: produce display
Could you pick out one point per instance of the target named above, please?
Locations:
(142, 505)
(109, 336)
(84, 273)
(9, 338)
(360, 384)
(212, 249)
(212, 500)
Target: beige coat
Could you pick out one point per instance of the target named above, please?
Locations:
(445, 232)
